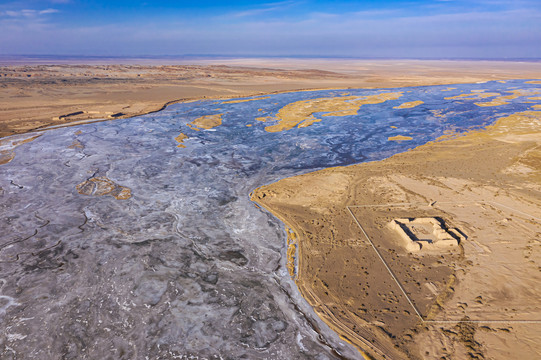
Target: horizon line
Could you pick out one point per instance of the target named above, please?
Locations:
(252, 56)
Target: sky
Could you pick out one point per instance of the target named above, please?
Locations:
(487, 29)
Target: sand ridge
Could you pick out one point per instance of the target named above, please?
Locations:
(301, 113)
(399, 138)
(7, 146)
(498, 99)
(180, 139)
(206, 122)
(409, 105)
(515, 94)
(101, 185)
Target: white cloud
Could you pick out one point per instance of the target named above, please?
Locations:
(456, 32)
(27, 13)
(48, 11)
(265, 8)
(20, 13)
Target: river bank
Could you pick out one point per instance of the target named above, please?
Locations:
(37, 95)
(485, 183)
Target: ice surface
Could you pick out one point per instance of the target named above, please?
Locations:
(186, 266)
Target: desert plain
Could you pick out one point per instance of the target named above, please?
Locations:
(476, 299)
(39, 93)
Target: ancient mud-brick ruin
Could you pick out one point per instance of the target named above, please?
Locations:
(426, 234)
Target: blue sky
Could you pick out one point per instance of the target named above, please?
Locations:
(342, 28)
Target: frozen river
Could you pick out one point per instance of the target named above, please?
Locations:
(115, 243)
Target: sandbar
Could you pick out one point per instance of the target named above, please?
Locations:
(39, 94)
